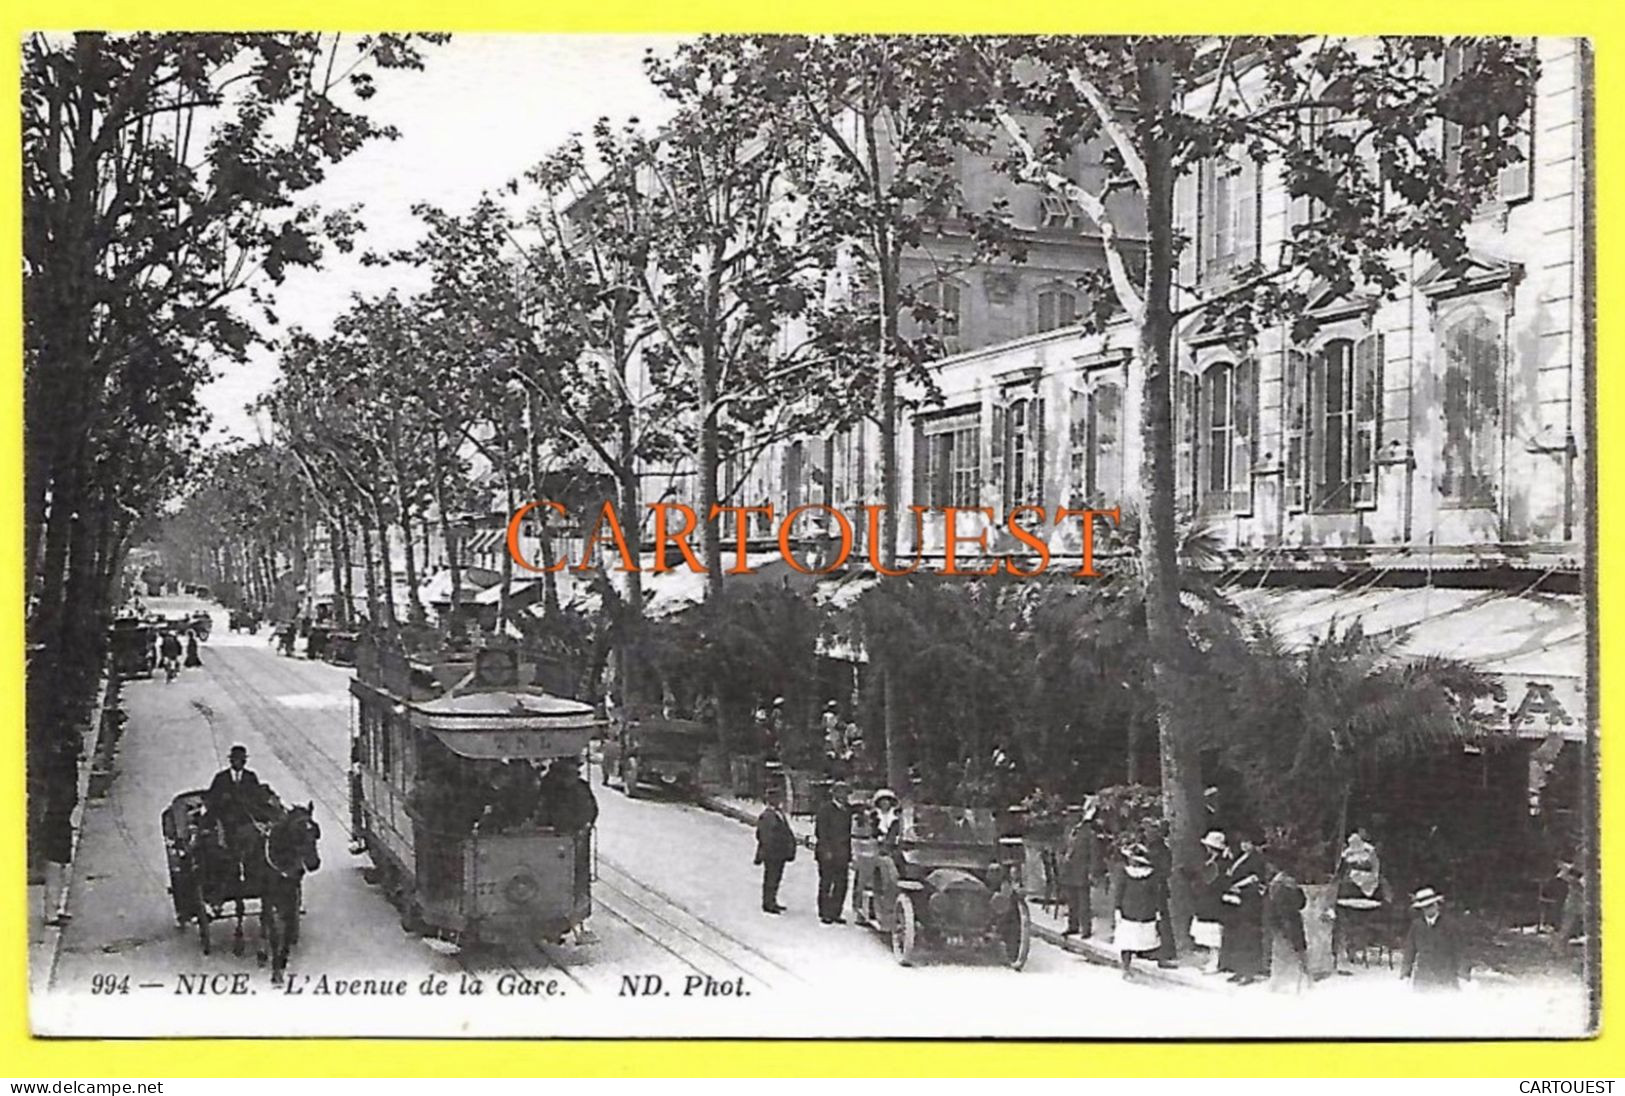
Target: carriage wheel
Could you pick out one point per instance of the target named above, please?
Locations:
(905, 933)
(1016, 934)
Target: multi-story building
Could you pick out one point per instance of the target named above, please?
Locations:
(1419, 464)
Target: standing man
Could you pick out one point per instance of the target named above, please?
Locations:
(1078, 863)
(833, 848)
(1433, 946)
(775, 847)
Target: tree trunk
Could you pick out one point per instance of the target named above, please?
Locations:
(414, 595)
(386, 567)
(1181, 762)
(890, 270)
(533, 444)
(369, 573)
(632, 519)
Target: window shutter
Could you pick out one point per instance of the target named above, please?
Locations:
(1035, 488)
(1516, 181)
(1243, 410)
(1296, 428)
(1187, 217)
(1244, 201)
(1046, 311)
(1184, 414)
(922, 467)
(997, 470)
(1367, 420)
(1317, 431)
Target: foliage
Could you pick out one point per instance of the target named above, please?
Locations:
(1303, 728)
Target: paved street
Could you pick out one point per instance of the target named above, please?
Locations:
(676, 896)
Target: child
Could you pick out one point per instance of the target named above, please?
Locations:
(1137, 901)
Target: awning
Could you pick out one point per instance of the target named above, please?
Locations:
(485, 540)
(1535, 643)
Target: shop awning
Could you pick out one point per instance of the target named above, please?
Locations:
(1535, 643)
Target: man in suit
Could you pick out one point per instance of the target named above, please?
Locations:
(1433, 959)
(775, 847)
(833, 846)
(235, 791)
(1078, 863)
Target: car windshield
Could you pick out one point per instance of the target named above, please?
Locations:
(957, 825)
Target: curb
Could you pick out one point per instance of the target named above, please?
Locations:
(1088, 950)
(1101, 955)
(53, 933)
(738, 814)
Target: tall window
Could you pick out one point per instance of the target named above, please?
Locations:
(792, 476)
(1056, 308)
(1097, 444)
(944, 298)
(1472, 356)
(953, 450)
(1515, 180)
(1228, 215)
(1333, 406)
(1018, 450)
(1225, 435)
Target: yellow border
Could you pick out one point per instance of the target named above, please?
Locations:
(23, 1056)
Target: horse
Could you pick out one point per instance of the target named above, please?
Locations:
(287, 852)
(256, 858)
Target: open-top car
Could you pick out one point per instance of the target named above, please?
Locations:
(945, 877)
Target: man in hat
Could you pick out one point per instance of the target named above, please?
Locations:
(1433, 947)
(1207, 894)
(832, 834)
(1079, 860)
(234, 791)
(775, 847)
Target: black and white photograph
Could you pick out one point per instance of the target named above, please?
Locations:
(809, 536)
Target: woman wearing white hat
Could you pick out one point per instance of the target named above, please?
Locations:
(1433, 946)
(1207, 929)
(1135, 929)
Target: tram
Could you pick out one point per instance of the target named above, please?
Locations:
(470, 841)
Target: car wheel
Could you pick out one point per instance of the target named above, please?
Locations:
(1016, 934)
(905, 933)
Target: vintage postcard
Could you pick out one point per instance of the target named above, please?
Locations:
(810, 536)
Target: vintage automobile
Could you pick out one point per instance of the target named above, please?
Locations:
(947, 878)
(244, 620)
(658, 753)
(134, 648)
(341, 648)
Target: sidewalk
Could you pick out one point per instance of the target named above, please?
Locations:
(45, 941)
(1048, 925)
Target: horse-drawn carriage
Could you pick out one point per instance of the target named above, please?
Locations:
(948, 877)
(440, 740)
(214, 876)
(244, 620)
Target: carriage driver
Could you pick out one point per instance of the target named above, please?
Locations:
(233, 793)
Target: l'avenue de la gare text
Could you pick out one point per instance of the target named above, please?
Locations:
(675, 524)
